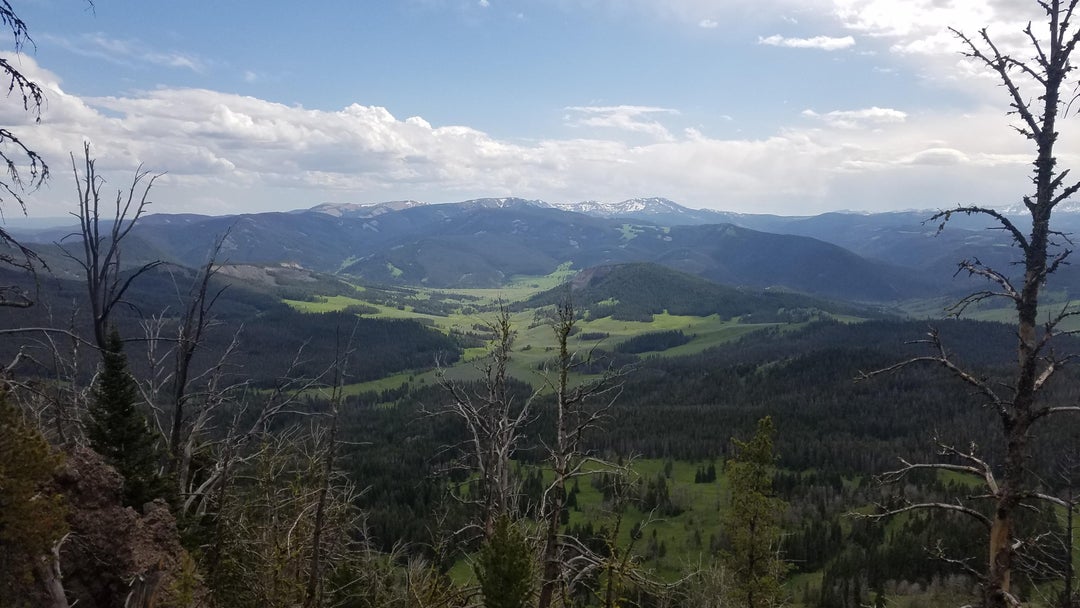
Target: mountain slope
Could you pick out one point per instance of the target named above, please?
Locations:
(486, 242)
(636, 291)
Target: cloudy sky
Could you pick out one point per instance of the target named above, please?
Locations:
(780, 106)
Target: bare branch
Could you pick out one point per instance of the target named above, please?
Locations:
(943, 506)
(1006, 223)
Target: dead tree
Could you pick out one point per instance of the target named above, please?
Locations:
(25, 169)
(314, 588)
(55, 406)
(1034, 88)
(190, 333)
(611, 576)
(102, 237)
(233, 449)
(579, 407)
(494, 421)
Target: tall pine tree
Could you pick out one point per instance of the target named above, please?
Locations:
(753, 523)
(118, 430)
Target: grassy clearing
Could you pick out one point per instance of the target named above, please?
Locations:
(629, 232)
(460, 311)
(518, 288)
(324, 304)
(685, 537)
(535, 342)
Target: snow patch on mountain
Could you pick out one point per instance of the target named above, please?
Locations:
(634, 206)
(361, 210)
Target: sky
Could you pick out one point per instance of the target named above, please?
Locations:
(793, 107)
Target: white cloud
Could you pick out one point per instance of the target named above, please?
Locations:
(626, 118)
(708, 24)
(918, 31)
(484, 3)
(913, 32)
(853, 119)
(825, 43)
(938, 156)
(229, 153)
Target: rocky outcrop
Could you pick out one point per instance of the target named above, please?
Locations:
(113, 551)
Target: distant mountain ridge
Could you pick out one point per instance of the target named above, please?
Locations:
(486, 242)
(358, 210)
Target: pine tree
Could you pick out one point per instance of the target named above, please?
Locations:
(118, 430)
(753, 522)
(505, 567)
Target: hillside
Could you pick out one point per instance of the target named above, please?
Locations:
(637, 291)
(487, 242)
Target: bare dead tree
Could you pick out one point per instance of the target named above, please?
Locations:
(272, 518)
(620, 566)
(22, 258)
(25, 170)
(33, 98)
(191, 330)
(315, 583)
(232, 450)
(1035, 89)
(1069, 474)
(56, 405)
(102, 236)
(494, 421)
(579, 408)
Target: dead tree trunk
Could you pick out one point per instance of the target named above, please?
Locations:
(196, 320)
(1034, 89)
(494, 421)
(100, 256)
(578, 408)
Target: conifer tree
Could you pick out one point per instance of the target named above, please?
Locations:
(118, 430)
(504, 567)
(753, 523)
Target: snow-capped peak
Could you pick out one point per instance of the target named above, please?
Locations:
(634, 206)
(361, 210)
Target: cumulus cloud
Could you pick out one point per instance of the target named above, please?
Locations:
(708, 24)
(824, 43)
(919, 31)
(915, 32)
(227, 153)
(853, 119)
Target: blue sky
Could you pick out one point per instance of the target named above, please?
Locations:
(781, 106)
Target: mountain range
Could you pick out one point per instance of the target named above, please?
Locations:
(487, 242)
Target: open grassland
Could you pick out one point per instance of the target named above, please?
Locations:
(535, 344)
(468, 311)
